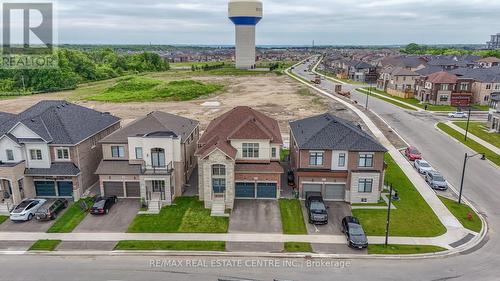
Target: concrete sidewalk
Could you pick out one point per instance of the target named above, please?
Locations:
(363, 91)
(474, 138)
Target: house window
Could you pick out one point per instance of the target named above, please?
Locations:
(365, 160)
(35, 154)
(463, 86)
(488, 86)
(117, 151)
(251, 150)
(365, 185)
(62, 153)
(10, 154)
(316, 158)
(273, 152)
(443, 98)
(497, 87)
(218, 170)
(341, 160)
(444, 87)
(138, 153)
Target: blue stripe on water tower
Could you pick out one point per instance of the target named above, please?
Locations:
(245, 20)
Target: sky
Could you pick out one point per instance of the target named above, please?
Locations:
(285, 22)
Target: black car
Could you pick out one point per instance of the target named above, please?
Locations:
(316, 209)
(102, 205)
(291, 178)
(50, 210)
(356, 237)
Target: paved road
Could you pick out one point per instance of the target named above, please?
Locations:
(481, 187)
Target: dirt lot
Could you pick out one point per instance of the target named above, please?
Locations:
(278, 96)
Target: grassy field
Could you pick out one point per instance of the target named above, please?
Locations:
(413, 216)
(199, 64)
(490, 155)
(171, 245)
(298, 247)
(403, 249)
(3, 219)
(45, 245)
(71, 218)
(480, 130)
(141, 89)
(292, 219)
(186, 215)
(461, 212)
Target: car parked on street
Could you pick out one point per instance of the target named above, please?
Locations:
(50, 210)
(412, 153)
(25, 211)
(356, 237)
(102, 205)
(457, 114)
(422, 166)
(436, 180)
(316, 208)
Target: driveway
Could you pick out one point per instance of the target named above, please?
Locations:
(118, 219)
(251, 216)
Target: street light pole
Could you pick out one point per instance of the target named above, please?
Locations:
(367, 94)
(483, 157)
(467, 129)
(388, 217)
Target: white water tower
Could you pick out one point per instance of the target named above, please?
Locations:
(245, 14)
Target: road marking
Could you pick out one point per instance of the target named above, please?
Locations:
(315, 228)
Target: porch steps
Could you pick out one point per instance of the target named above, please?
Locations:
(218, 209)
(154, 207)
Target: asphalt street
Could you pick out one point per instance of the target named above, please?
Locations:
(446, 155)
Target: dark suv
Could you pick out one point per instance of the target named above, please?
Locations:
(50, 210)
(316, 209)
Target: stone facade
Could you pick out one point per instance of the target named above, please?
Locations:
(205, 178)
(365, 197)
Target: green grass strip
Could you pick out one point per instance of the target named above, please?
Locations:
(462, 212)
(298, 247)
(403, 249)
(71, 218)
(292, 218)
(45, 245)
(171, 245)
(3, 219)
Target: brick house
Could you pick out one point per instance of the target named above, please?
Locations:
(337, 158)
(494, 113)
(51, 150)
(399, 82)
(238, 158)
(444, 88)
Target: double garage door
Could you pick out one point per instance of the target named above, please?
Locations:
(53, 188)
(329, 191)
(115, 188)
(262, 190)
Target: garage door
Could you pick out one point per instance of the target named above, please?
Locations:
(309, 187)
(112, 188)
(45, 188)
(133, 189)
(244, 190)
(65, 188)
(334, 192)
(266, 190)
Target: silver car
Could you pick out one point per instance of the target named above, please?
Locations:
(436, 180)
(422, 166)
(26, 210)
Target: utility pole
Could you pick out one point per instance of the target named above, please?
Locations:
(367, 95)
(462, 180)
(467, 129)
(388, 217)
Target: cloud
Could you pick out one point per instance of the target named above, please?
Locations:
(285, 21)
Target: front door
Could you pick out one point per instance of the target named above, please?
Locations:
(218, 188)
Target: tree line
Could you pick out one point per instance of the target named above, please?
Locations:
(416, 49)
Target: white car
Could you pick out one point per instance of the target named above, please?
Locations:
(422, 166)
(457, 114)
(25, 211)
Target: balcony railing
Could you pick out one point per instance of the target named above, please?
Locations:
(157, 170)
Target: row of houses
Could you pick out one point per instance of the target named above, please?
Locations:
(58, 149)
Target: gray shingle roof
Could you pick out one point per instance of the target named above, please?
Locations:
(156, 123)
(56, 169)
(327, 131)
(113, 167)
(485, 75)
(60, 122)
(4, 116)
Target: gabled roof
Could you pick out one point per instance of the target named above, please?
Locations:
(4, 116)
(489, 60)
(155, 124)
(399, 71)
(429, 70)
(327, 131)
(404, 61)
(242, 123)
(442, 77)
(60, 122)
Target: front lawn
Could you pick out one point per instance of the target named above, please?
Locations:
(461, 212)
(45, 245)
(413, 216)
(292, 219)
(171, 245)
(480, 130)
(3, 218)
(71, 218)
(186, 215)
(403, 249)
(300, 247)
(492, 156)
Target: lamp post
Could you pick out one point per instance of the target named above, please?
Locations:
(483, 157)
(367, 94)
(467, 128)
(388, 217)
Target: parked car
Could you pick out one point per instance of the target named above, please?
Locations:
(436, 180)
(412, 153)
(102, 205)
(457, 114)
(50, 210)
(422, 166)
(316, 208)
(25, 211)
(356, 237)
(291, 178)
